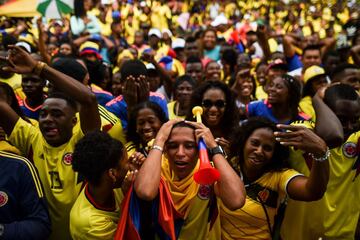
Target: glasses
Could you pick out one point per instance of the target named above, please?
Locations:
(218, 104)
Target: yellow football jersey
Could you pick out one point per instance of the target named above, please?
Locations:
(250, 221)
(335, 216)
(14, 81)
(172, 111)
(109, 123)
(61, 184)
(90, 221)
(307, 107)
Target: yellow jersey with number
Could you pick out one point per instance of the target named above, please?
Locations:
(61, 184)
(89, 221)
(335, 216)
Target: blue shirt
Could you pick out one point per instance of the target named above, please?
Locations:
(23, 209)
(102, 96)
(118, 106)
(293, 63)
(262, 108)
(29, 112)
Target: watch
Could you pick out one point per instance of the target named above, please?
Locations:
(217, 150)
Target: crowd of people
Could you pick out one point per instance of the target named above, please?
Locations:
(98, 139)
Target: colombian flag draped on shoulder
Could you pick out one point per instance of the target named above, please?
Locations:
(167, 220)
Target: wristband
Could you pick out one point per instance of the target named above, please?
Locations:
(322, 158)
(157, 147)
(39, 68)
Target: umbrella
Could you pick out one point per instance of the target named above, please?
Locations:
(55, 8)
(19, 8)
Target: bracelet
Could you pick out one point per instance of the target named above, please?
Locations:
(157, 147)
(322, 158)
(39, 68)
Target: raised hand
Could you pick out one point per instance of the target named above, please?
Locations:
(164, 132)
(19, 61)
(143, 89)
(137, 159)
(203, 132)
(301, 138)
(130, 91)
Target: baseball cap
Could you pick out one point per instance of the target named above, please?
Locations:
(178, 43)
(219, 20)
(24, 45)
(313, 71)
(154, 31)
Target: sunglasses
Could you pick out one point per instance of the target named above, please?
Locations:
(218, 104)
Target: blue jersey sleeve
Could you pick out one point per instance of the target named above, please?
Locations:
(294, 62)
(32, 214)
(161, 101)
(250, 109)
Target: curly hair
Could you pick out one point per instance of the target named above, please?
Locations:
(230, 118)
(132, 135)
(95, 153)
(240, 136)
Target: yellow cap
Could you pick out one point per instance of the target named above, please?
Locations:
(312, 72)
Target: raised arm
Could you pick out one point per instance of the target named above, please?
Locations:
(229, 187)
(21, 62)
(310, 188)
(148, 179)
(42, 47)
(289, 49)
(168, 84)
(327, 126)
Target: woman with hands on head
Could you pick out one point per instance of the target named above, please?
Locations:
(171, 165)
(262, 152)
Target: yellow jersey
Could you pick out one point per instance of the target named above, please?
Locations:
(61, 184)
(90, 221)
(335, 216)
(250, 221)
(109, 124)
(307, 107)
(172, 111)
(14, 81)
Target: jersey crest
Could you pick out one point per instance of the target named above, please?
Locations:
(3, 198)
(67, 158)
(204, 192)
(349, 150)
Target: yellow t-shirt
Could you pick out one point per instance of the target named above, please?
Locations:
(88, 221)
(171, 111)
(335, 216)
(193, 201)
(307, 107)
(109, 124)
(14, 81)
(260, 93)
(61, 184)
(250, 222)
